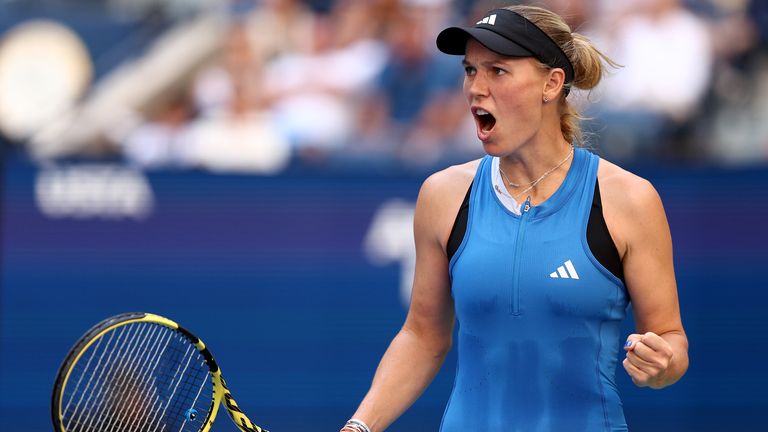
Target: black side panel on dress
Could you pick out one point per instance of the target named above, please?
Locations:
(599, 238)
(459, 225)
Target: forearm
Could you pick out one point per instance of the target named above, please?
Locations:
(679, 362)
(406, 369)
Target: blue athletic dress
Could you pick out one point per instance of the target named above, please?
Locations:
(539, 316)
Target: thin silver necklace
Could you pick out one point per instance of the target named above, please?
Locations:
(533, 184)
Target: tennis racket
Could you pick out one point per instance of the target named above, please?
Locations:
(141, 372)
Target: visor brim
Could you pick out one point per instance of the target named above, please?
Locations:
(453, 40)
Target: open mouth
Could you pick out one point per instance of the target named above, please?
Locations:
(485, 120)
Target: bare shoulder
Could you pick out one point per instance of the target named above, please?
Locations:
(625, 191)
(453, 179)
(632, 207)
(441, 196)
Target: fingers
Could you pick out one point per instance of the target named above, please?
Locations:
(656, 343)
(649, 347)
(648, 357)
(639, 377)
(643, 363)
(631, 341)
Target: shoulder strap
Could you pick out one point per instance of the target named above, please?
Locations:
(459, 225)
(599, 238)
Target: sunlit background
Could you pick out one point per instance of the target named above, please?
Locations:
(249, 169)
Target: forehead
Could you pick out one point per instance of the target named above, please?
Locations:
(477, 52)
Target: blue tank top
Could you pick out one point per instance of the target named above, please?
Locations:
(539, 316)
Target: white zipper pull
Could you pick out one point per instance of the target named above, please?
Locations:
(527, 205)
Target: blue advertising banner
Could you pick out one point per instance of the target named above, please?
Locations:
(298, 282)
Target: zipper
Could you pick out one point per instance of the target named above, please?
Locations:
(515, 301)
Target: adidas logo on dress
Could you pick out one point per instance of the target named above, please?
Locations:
(566, 271)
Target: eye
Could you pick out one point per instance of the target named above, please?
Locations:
(498, 71)
(470, 70)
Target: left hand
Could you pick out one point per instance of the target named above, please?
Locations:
(648, 358)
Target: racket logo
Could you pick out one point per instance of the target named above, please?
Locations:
(190, 414)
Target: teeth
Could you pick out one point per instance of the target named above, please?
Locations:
(481, 111)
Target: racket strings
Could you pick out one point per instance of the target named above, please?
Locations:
(146, 385)
(138, 377)
(190, 378)
(83, 408)
(135, 390)
(124, 368)
(111, 381)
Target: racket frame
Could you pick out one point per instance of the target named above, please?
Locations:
(221, 394)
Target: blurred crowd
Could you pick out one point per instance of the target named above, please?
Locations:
(360, 82)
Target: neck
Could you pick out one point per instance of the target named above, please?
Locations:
(533, 159)
(536, 171)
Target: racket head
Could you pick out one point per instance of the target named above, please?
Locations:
(136, 372)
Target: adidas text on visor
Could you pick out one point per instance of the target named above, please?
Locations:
(507, 33)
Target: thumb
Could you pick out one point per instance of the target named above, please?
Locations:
(632, 340)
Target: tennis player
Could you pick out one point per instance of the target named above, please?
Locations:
(537, 249)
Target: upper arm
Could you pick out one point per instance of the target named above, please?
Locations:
(649, 268)
(431, 313)
(639, 224)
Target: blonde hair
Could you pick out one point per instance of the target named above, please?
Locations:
(588, 62)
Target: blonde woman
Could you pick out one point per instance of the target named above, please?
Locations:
(536, 249)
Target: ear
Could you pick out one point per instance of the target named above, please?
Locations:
(554, 84)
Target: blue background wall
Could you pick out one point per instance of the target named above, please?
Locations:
(272, 274)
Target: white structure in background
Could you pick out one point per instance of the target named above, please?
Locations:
(44, 69)
(390, 239)
(93, 191)
(113, 107)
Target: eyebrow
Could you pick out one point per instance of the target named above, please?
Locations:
(487, 63)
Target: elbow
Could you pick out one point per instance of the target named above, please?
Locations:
(680, 366)
(436, 343)
(438, 346)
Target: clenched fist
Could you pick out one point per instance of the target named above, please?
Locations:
(649, 357)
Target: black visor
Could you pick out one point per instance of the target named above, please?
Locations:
(507, 33)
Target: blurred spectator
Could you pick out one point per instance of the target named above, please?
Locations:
(734, 129)
(161, 142)
(414, 73)
(371, 139)
(315, 93)
(667, 57)
(579, 14)
(443, 132)
(361, 80)
(413, 79)
(233, 131)
(236, 132)
(242, 140)
(238, 69)
(280, 27)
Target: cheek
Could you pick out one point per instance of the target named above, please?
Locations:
(522, 104)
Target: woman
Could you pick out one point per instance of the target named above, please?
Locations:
(549, 245)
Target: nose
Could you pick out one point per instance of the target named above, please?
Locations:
(475, 86)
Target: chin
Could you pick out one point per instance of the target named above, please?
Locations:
(493, 149)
